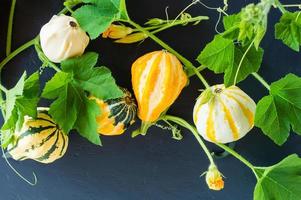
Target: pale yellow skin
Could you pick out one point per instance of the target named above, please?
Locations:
(62, 38)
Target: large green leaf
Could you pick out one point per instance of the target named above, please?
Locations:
(277, 112)
(250, 63)
(288, 29)
(218, 55)
(221, 56)
(97, 15)
(281, 181)
(72, 109)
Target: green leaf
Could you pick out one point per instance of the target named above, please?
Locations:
(253, 24)
(20, 101)
(85, 117)
(231, 25)
(218, 55)
(12, 95)
(97, 15)
(251, 63)
(231, 21)
(72, 109)
(280, 181)
(288, 29)
(221, 56)
(249, 25)
(7, 138)
(89, 78)
(280, 110)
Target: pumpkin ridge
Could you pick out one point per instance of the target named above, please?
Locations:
(120, 116)
(151, 78)
(247, 113)
(138, 71)
(166, 83)
(230, 120)
(42, 142)
(210, 130)
(46, 156)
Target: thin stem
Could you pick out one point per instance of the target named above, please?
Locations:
(54, 66)
(261, 80)
(185, 61)
(222, 11)
(69, 9)
(296, 20)
(43, 58)
(291, 5)
(241, 60)
(187, 7)
(10, 27)
(196, 71)
(3, 89)
(179, 22)
(236, 155)
(239, 157)
(194, 131)
(185, 124)
(200, 68)
(16, 52)
(65, 10)
(280, 6)
(35, 180)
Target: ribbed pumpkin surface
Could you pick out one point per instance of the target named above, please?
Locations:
(116, 114)
(39, 139)
(158, 79)
(226, 117)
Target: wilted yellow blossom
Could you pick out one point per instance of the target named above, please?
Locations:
(214, 178)
(117, 31)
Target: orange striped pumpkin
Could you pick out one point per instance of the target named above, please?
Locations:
(116, 114)
(226, 116)
(157, 78)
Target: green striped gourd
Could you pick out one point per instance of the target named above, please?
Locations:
(116, 114)
(39, 139)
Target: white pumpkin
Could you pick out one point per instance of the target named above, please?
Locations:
(62, 38)
(225, 115)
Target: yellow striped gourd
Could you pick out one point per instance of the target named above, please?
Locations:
(224, 115)
(39, 139)
(157, 78)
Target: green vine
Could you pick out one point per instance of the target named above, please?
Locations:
(233, 53)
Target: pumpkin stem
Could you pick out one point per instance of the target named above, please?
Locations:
(142, 130)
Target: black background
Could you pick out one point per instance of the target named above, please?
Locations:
(154, 166)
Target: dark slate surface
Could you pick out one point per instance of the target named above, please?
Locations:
(155, 166)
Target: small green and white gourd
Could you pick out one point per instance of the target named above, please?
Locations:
(39, 139)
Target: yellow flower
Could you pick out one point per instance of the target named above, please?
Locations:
(214, 178)
(117, 31)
